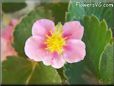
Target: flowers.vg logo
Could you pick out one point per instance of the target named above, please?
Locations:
(95, 4)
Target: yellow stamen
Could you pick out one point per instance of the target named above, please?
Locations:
(55, 42)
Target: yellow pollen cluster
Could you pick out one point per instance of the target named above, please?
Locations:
(55, 42)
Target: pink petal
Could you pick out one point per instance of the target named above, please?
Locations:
(73, 30)
(6, 40)
(57, 61)
(42, 27)
(47, 58)
(6, 49)
(13, 22)
(3, 49)
(34, 48)
(74, 51)
(10, 50)
(7, 33)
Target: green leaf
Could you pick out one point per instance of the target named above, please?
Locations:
(63, 76)
(17, 70)
(74, 11)
(58, 10)
(23, 29)
(107, 65)
(75, 73)
(96, 37)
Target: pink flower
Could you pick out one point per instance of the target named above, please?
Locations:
(6, 40)
(55, 45)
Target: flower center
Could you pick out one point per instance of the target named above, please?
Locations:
(55, 41)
